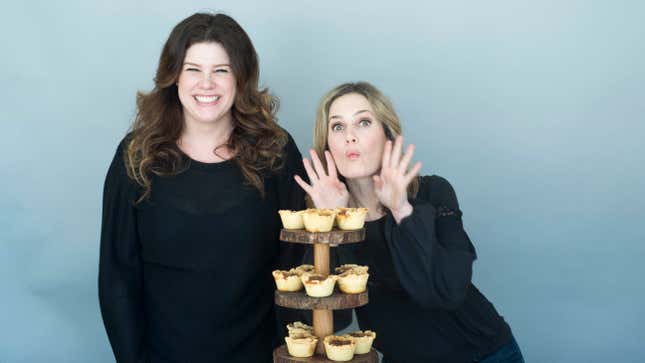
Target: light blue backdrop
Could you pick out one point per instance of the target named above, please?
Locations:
(535, 111)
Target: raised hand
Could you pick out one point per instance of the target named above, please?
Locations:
(392, 182)
(325, 190)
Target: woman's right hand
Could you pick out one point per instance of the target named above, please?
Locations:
(325, 190)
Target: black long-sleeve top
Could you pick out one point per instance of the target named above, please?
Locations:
(185, 276)
(422, 304)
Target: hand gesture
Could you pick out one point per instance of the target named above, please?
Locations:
(392, 182)
(325, 190)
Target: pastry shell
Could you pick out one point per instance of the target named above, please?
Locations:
(339, 353)
(352, 283)
(301, 347)
(288, 281)
(318, 220)
(351, 218)
(317, 285)
(363, 340)
(291, 219)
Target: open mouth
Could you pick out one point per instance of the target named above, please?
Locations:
(206, 100)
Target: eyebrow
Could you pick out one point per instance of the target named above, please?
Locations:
(356, 113)
(198, 65)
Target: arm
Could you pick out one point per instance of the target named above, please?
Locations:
(292, 197)
(120, 271)
(431, 252)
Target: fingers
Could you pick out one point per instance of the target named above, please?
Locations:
(306, 187)
(317, 164)
(313, 177)
(405, 161)
(396, 152)
(412, 173)
(331, 166)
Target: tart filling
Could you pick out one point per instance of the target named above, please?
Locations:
(304, 268)
(357, 269)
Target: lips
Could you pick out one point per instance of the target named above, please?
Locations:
(352, 155)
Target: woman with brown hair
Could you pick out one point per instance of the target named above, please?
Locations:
(423, 305)
(190, 224)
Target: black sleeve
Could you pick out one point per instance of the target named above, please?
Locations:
(431, 252)
(291, 196)
(120, 272)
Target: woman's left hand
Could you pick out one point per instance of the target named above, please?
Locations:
(391, 184)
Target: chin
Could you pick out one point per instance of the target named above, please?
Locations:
(356, 173)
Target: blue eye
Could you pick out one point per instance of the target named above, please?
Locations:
(365, 122)
(336, 127)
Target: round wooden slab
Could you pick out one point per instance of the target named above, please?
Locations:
(333, 238)
(281, 355)
(338, 300)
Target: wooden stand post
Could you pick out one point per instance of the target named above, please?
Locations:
(323, 320)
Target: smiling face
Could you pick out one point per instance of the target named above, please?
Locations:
(206, 84)
(355, 137)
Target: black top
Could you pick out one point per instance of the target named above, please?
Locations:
(423, 306)
(185, 276)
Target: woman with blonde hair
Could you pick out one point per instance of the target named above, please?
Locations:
(190, 225)
(423, 305)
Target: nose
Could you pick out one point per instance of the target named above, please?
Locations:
(207, 81)
(350, 138)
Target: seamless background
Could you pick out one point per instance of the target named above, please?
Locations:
(533, 110)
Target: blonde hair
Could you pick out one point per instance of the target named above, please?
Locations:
(383, 110)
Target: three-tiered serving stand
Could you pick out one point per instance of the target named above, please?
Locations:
(323, 321)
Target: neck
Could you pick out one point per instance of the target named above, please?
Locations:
(199, 140)
(362, 194)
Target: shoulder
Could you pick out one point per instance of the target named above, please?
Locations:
(118, 167)
(438, 191)
(290, 143)
(290, 148)
(124, 143)
(120, 155)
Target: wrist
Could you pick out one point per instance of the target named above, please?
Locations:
(402, 212)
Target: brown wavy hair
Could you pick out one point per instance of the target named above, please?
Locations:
(383, 110)
(256, 141)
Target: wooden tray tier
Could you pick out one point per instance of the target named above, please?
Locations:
(333, 238)
(338, 300)
(281, 355)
